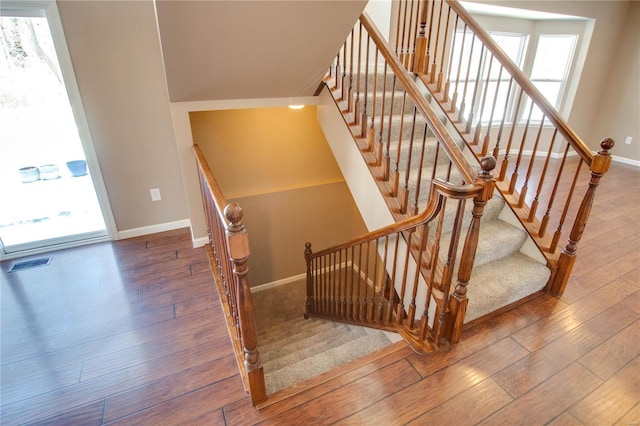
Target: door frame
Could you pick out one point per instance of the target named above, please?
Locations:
(49, 9)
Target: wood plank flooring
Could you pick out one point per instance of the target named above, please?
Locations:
(131, 332)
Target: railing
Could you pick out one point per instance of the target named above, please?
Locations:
(228, 251)
(497, 109)
(393, 277)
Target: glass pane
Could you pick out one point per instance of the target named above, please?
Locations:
(49, 197)
(512, 44)
(553, 57)
(550, 90)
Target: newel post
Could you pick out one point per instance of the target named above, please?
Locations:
(459, 301)
(599, 166)
(307, 257)
(238, 244)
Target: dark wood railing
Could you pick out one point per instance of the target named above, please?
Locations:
(391, 278)
(228, 250)
(496, 109)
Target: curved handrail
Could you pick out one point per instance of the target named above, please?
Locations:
(432, 209)
(448, 144)
(538, 99)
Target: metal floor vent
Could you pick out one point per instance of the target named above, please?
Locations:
(32, 263)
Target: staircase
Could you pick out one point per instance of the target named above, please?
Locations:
(299, 349)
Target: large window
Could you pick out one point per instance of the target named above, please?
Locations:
(544, 56)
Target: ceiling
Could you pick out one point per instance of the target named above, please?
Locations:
(250, 49)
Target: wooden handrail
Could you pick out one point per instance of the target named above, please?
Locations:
(432, 209)
(449, 145)
(541, 102)
(228, 251)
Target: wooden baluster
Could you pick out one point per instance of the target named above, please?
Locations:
(483, 102)
(475, 93)
(433, 264)
(545, 219)
(238, 243)
(599, 166)
(404, 199)
(444, 53)
(357, 108)
(364, 121)
(496, 148)
(556, 236)
(371, 131)
(447, 272)
(386, 165)
(382, 278)
(401, 52)
(351, 304)
(419, 177)
(403, 289)
(421, 41)
(459, 301)
(396, 171)
(398, 26)
(454, 98)
(432, 72)
(307, 257)
(350, 90)
(380, 145)
(362, 310)
(487, 135)
(463, 103)
(435, 47)
(534, 204)
(343, 85)
(525, 185)
(393, 280)
(447, 84)
(514, 175)
(416, 278)
(505, 160)
(427, 57)
(372, 302)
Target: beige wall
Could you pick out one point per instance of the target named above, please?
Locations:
(276, 163)
(253, 151)
(116, 56)
(596, 87)
(280, 223)
(620, 106)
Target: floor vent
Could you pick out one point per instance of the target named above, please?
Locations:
(27, 264)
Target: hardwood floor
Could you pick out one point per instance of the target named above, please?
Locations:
(132, 332)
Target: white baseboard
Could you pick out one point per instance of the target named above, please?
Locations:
(625, 160)
(199, 242)
(273, 284)
(152, 229)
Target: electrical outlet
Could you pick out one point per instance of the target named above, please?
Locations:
(155, 194)
(628, 140)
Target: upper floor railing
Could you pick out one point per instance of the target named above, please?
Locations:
(228, 251)
(496, 109)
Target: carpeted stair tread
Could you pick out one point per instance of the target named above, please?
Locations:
(325, 361)
(320, 343)
(504, 281)
(280, 327)
(300, 341)
(497, 239)
(299, 332)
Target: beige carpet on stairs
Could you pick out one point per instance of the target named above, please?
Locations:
(294, 349)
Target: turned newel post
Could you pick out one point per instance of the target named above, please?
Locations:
(238, 245)
(459, 300)
(599, 166)
(307, 257)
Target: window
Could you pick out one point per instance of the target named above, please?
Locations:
(550, 68)
(479, 65)
(544, 49)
